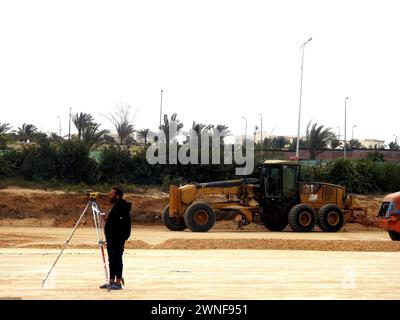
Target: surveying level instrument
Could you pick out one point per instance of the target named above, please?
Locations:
(99, 226)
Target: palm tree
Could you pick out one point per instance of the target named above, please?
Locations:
(279, 143)
(27, 132)
(166, 125)
(4, 127)
(124, 131)
(143, 134)
(393, 145)
(165, 128)
(123, 122)
(354, 144)
(317, 139)
(302, 144)
(92, 135)
(81, 122)
(335, 143)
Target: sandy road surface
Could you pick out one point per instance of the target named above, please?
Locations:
(204, 274)
(352, 264)
(352, 238)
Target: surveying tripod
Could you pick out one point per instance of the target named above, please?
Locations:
(99, 225)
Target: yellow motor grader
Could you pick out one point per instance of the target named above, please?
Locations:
(276, 195)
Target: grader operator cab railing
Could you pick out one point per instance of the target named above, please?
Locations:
(275, 194)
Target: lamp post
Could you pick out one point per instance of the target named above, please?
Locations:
(161, 108)
(345, 120)
(352, 132)
(69, 124)
(339, 133)
(245, 131)
(262, 142)
(395, 139)
(301, 89)
(59, 126)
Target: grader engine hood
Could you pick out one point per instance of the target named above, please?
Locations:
(316, 194)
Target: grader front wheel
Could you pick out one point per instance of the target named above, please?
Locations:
(172, 223)
(199, 217)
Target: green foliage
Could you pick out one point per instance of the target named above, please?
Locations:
(375, 156)
(53, 161)
(27, 132)
(362, 176)
(276, 143)
(40, 162)
(74, 163)
(317, 139)
(116, 165)
(388, 176)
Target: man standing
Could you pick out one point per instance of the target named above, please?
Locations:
(117, 230)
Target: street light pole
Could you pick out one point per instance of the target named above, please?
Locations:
(345, 121)
(69, 123)
(301, 89)
(352, 132)
(161, 108)
(339, 133)
(262, 142)
(59, 127)
(245, 131)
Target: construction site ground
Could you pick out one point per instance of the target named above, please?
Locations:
(221, 264)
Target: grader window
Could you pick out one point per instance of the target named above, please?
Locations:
(272, 179)
(290, 184)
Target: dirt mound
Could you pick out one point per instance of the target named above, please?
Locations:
(370, 206)
(27, 207)
(230, 244)
(279, 244)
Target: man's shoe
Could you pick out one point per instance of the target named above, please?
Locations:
(105, 286)
(115, 286)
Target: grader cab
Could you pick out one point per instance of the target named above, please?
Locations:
(275, 194)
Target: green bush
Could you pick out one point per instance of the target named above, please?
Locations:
(388, 176)
(116, 166)
(40, 162)
(75, 164)
(10, 163)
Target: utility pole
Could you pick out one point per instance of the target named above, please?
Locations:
(352, 132)
(59, 126)
(345, 122)
(69, 125)
(161, 108)
(301, 89)
(262, 142)
(245, 130)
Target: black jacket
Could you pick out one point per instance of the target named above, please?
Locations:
(118, 224)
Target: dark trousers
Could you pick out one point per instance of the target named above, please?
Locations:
(115, 249)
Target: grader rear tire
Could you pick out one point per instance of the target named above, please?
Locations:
(199, 217)
(330, 218)
(172, 223)
(302, 218)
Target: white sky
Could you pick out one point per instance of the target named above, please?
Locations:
(215, 60)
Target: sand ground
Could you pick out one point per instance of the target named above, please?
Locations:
(355, 263)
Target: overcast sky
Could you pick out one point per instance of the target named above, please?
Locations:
(216, 61)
